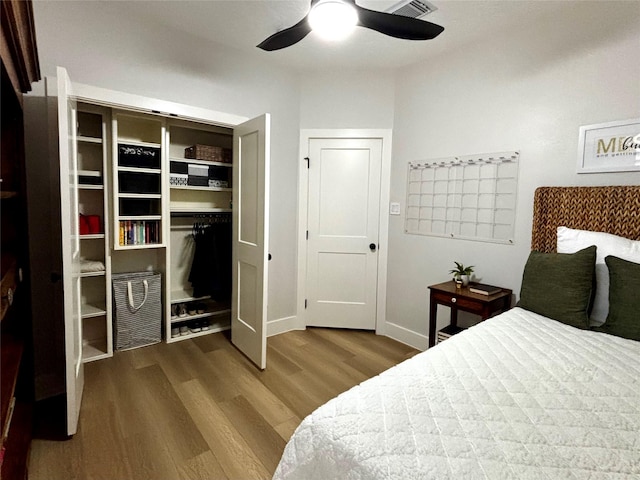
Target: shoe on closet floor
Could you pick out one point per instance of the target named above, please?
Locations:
(204, 325)
(175, 332)
(194, 327)
(184, 330)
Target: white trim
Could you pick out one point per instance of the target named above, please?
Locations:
(385, 186)
(406, 336)
(283, 325)
(131, 102)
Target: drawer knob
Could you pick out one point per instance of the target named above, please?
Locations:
(454, 300)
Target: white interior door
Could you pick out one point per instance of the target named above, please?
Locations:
(250, 238)
(343, 231)
(70, 249)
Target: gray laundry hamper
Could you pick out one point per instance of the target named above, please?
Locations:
(138, 309)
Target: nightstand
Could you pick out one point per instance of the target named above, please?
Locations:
(462, 299)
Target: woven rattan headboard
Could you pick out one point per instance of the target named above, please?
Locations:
(600, 209)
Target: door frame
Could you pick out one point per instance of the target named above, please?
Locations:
(385, 136)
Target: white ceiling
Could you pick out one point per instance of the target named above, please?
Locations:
(242, 24)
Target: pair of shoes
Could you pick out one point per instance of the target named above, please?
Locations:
(204, 325)
(175, 332)
(194, 327)
(200, 308)
(182, 310)
(184, 330)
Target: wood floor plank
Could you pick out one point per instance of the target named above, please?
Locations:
(287, 428)
(268, 404)
(229, 447)
(199, 409)
(202, 467)
(173, 420)
(262, 438)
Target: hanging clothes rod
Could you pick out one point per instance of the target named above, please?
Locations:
(201, 215)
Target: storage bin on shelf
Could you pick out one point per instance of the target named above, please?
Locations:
(209, 153)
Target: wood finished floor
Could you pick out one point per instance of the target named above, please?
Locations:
(198, 409)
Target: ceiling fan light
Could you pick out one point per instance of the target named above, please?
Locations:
(333, 19)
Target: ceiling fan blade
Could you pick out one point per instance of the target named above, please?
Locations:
(287, 37)
(397, 26)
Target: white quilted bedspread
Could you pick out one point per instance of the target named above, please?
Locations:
(518, 396)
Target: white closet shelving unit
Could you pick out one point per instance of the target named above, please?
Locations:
(189, 205)
(138, 181)
(135, 193)
(91, 149)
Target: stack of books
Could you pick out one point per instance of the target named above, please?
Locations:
(447, 332)
(484, 289)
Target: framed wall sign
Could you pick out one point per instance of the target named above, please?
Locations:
(609, 147)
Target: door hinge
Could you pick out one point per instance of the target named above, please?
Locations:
(306, 159)
(307, 234)
(305, 303)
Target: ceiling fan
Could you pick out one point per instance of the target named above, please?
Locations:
(339, 16)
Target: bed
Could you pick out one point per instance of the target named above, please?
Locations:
(520, 395)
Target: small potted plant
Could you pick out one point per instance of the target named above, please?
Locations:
(461, 274)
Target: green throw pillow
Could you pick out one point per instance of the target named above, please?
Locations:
(624, 298)
(559, 285)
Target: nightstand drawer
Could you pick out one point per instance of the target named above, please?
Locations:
(453, 300)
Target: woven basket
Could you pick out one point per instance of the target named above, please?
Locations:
(209, 153)
(614, 209)
(138, 309)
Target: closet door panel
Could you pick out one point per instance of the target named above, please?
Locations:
(250, 238)
(67, 112)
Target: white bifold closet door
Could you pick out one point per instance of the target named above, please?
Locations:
(70, 247)
(250, 238)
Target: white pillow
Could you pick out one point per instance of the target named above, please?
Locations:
(570, 241)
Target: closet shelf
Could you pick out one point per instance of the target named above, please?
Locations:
(141, 246)
(201, 162)
(84, 186)
(86, 139)
(155, 171)
(188, 318)
(101, 273)
(90, 311)
(139, 217)
(93, 236)
(212, 329)
(186, 212)
(92, 351)
(139, 195)
(137, 143)
(181, 296)
(204, 189)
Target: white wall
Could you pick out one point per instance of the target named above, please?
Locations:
(347, 99)
(527, 90)
(101, 44)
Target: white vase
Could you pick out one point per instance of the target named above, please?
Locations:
(465, 280)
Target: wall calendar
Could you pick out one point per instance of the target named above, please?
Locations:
(471, 197)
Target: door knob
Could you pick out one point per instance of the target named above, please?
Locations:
(372, 246)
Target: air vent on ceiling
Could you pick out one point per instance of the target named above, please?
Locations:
(412, 8)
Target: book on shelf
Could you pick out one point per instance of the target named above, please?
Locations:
(447, 332)
(484, 289)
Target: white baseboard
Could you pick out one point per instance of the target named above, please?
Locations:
(406, 336)
(283, 325)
